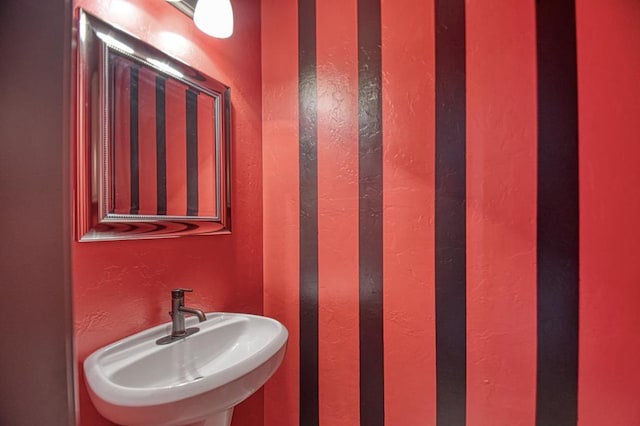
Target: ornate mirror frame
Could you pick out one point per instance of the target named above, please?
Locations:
(95, 139)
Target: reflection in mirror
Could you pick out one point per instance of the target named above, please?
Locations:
(164, 151)
(153, 151)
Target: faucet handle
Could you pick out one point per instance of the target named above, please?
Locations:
(177, 293)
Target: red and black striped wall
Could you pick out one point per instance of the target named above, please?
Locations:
(451, 211)
(164, 149)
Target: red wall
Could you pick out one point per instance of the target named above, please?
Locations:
(608, 76)
(123, 287)
(501, 211)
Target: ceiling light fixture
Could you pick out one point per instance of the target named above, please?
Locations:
(214, 17)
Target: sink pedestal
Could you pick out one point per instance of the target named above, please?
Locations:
(219, 419)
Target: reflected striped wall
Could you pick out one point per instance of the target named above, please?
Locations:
(422, 213)
(158, 166)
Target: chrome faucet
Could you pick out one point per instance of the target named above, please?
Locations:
(178, 310)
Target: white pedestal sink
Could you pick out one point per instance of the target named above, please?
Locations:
(193, 381)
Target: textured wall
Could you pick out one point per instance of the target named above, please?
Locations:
(608, 75)
(123, 287)
(427, 241)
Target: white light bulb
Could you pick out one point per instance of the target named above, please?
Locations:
(214, 17)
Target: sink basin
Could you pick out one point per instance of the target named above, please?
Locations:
(196, 380)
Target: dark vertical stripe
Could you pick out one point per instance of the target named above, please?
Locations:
(558, 295)
(370, 212)
(133, 113)
(161, 145)
(450, 213)
(192, 152)
(308, 213)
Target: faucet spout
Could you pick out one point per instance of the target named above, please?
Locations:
(197, 312)
(178, 330)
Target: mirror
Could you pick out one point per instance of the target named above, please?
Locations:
(153, 153)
